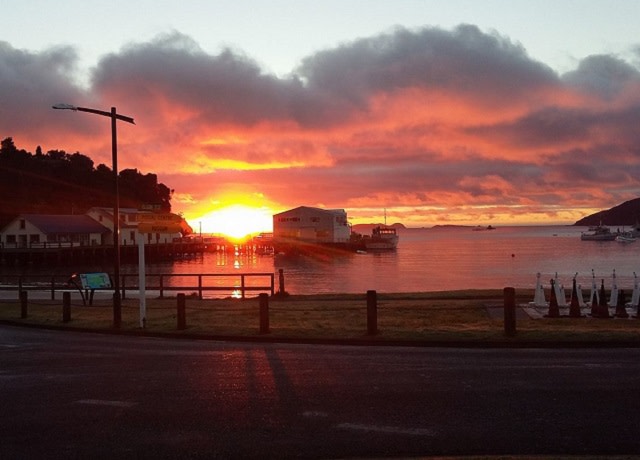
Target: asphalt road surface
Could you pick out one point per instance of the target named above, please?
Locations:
(75, 395)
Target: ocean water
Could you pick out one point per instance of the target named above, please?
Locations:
(434, 259)
(453, 258)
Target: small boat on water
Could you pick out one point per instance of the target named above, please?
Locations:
(599, 233)
(382, 238)
(626, 237)
(479, 228)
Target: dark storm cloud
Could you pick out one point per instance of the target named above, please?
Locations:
(604, 76)
(226, 88)
(555, 126)
(330, 85)
(30, 83)
(465, 60)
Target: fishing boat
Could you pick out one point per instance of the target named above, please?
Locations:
(382, 237)
(599, 233)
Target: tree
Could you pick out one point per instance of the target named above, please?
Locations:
(55, 182)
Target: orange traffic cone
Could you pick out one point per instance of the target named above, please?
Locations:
(554, 310)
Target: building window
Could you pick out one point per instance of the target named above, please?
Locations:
(23, 224)
(11, 239)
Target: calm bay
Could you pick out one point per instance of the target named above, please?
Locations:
(431, 259)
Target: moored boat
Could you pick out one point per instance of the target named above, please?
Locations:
(626, 237)
(599, 233)
(382, 238)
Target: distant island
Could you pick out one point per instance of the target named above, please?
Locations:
(627, 213)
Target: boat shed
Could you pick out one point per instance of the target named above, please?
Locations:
(128, 226)
(312, 225)
(29, 230)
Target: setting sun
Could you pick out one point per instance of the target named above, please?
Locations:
(236, 221)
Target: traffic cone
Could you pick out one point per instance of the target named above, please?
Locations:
(621, 310)
(603, 309)
(554, 310)
(574, 308)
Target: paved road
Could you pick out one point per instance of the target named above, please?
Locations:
(74, 395)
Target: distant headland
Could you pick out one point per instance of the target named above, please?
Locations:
(627, 213)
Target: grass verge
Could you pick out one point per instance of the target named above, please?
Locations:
(460, 317)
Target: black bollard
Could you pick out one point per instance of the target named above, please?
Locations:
(182, 313)
(594, 306)
(24, 296)
(621, 307)
(603, 308)
(509, 311)
(372, 313)
(264, 313)
(66, 307)
(554, 309)
(281, 281)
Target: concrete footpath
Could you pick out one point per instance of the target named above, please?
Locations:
(75, 294)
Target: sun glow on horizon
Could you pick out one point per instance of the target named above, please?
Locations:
(236, 221)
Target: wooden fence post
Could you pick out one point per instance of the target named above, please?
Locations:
(372, 313)
(509, 311)
(24, 296)
(66, 307)
(182, 314)
(264, 313)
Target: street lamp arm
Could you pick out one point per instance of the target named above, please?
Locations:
(97, 112)
(106, 114)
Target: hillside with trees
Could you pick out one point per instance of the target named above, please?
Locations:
(627, 213)
(57, 182)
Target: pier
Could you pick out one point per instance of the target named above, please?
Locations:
(69, 253)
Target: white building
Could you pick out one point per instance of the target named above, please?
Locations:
(129, 220)
(312, 225)
(41, 230)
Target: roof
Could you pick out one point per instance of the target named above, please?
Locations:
(77, 223)
(312, 209)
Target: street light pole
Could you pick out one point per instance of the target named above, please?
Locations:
(117, 307)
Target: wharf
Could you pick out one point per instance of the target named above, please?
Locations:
(73, 253)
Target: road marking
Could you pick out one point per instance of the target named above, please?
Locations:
(104, 402)
(315, 414)
(386, 429)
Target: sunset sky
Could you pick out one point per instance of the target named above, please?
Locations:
(441, 112)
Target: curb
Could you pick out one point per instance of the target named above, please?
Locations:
(365, 341)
